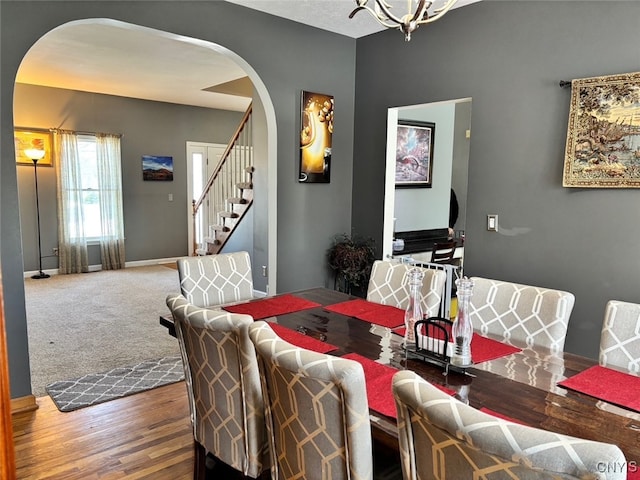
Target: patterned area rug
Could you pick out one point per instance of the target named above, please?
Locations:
(117, 383)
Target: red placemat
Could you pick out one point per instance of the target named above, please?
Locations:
(483, 349)
(270, 307)
(301, 340)
(379, 378)
(372, 312)
(609, 385)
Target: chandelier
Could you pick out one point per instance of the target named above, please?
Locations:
(407, 23)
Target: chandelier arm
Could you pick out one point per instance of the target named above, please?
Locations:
(439, 13)
(385, 7)
(378, 17)
(421, 10)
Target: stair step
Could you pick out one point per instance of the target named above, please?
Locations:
(219, 228)
(212, 240)
(237, 200)
(245, 185)
(228, 214)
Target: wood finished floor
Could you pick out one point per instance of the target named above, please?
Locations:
(143, 436)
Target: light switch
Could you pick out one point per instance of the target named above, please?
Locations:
(171, 197)
(492, 223)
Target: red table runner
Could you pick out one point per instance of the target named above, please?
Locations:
(378, 378)
(384, 315)
(301, 340)
(609, 385)
(270, 307)
(483, 349)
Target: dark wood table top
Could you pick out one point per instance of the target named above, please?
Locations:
(522, 386)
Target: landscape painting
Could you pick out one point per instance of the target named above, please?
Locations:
(603, 135)
(158, 168)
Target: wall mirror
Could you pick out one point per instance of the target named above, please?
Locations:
(427, 209)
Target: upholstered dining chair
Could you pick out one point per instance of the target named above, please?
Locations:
(521, 315)
(317, 412)
(620, 337)
(223, 385)
(214, 280)
(389, 285)
(441, 437)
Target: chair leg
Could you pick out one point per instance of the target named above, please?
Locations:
(199, 459)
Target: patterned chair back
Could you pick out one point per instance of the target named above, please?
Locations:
(213, 280)
(223, 384)
(620, 337)
(317, 412)
(389, 285)
(521, 315)
(441, 437)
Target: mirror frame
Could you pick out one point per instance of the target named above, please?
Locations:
(393, 114)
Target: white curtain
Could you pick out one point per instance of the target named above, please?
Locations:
(112, 222)
(72, 244)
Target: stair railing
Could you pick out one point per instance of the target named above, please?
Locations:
(222, 184)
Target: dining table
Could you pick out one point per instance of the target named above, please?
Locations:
(518, 384)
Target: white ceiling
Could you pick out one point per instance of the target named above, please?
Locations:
(114, 58)
(333, 15)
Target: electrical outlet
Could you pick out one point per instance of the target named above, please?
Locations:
(55, 251)
(264, 270)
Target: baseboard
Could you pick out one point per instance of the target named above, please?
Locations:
(97, 268)
(23, 404)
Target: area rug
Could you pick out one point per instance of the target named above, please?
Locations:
(102, 387)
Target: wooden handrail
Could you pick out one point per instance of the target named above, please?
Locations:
(223, 158)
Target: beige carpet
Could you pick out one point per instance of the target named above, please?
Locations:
(93, 322)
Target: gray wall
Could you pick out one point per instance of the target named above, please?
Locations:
(287, 57)
(509, 57)
(154, 227)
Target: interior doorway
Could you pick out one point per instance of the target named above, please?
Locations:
(202, 159)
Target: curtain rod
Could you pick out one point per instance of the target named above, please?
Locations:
(79, 132)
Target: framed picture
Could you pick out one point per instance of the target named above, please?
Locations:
(33, 138)
(157, 168)
(414, 153)
(316, 133)
(603, 134)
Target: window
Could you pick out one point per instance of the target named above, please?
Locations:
(89, 189)
(89, 200)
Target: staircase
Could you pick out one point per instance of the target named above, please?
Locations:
(227, 195)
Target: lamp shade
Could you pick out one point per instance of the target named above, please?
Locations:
(34, 153)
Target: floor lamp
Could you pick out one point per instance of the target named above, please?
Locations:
(36, 154)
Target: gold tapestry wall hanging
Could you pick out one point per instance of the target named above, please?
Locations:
(603, 136)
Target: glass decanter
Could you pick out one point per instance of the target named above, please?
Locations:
(414, 309)
(462, 330)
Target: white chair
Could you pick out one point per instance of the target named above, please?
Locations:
(521, 315)
(317, 412)
(388, 285)
(620, 337)
(223, 385)
(214, 280)
(441, 437)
